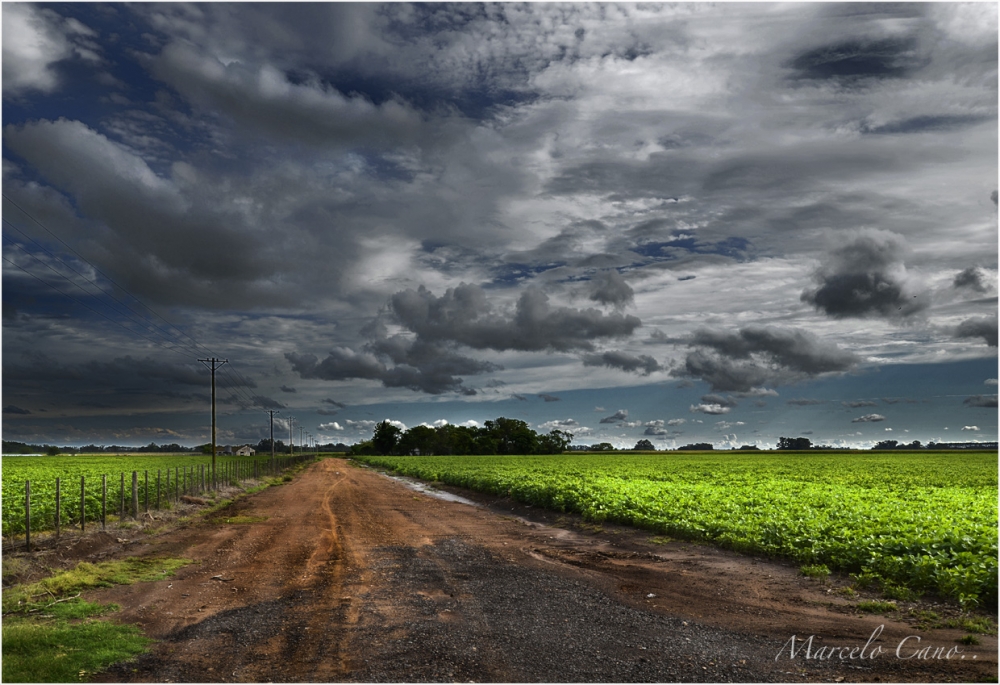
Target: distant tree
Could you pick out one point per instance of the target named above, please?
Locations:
(385, 437)
(750, 447)
(52, 450)
(698, 447)
(417, 440)
(363, 448)
(644, 445)
(794, 444)
(885, 445)
(555, 442)
(602, 447)
(511, 436)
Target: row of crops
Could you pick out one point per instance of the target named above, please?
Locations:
(925, 521)
(81, 489)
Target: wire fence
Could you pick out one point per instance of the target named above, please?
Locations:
(131, 496)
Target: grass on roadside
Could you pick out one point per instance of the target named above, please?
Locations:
(52, 635)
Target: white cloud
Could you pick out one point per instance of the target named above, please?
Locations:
(34, 40)
(970, 428)
(710, 408)
(332, 426)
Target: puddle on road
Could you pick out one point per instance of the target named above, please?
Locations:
(426, 489)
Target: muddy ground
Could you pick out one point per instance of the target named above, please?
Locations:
(344, 574)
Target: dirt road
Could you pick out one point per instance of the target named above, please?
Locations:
(346, 575)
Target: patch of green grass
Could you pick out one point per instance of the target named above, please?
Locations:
(876, 606)
(86, 576)
(660, 540)
(815, 571)
(847, 591)
(980, 624)
(60, 652)
(969, 640)
(893, 591)
(51, 635)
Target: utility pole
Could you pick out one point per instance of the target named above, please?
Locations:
(301, 429)
(211, 363)
(291, 436)
(272, 412)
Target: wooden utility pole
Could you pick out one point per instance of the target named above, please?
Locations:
(211, 363)
(291, 436)
(272, 412)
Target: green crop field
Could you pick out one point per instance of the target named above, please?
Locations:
(42, 471)
(924, 521)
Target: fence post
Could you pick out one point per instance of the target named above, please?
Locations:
(145, 491)
(121, 499)
(104, 502)
(58, 506)
(83, 505)
(27, 514)
(135, 494)
(157, 489)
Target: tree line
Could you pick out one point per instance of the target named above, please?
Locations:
(502, 436)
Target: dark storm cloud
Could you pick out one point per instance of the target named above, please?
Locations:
(285, 388)
(869, 418)
(464, 315)
(984, 327)
(418, 365)
(803, 402)
(615, 359)
(264, 402)
(855, 59)
(121, 371)
(721, 400)
(860, 403)
(338, 405)
(168, 245)
(265, 100)
(923, 124)
(13, 409)
(340, 364)
(658, 428)
(981, 401)
(866, 277)
(760, 355)
(549, 398)
(973, 279)
(617, 417)
(608, 287)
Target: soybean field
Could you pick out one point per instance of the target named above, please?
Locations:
(161, 479)
(914, 522)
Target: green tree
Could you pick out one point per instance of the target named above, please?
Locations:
(419, 439)
(555, 442)
(644, 445)
(385, 437)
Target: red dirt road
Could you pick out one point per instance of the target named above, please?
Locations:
(346, 575)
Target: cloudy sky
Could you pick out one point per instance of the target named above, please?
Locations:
(691, 223)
